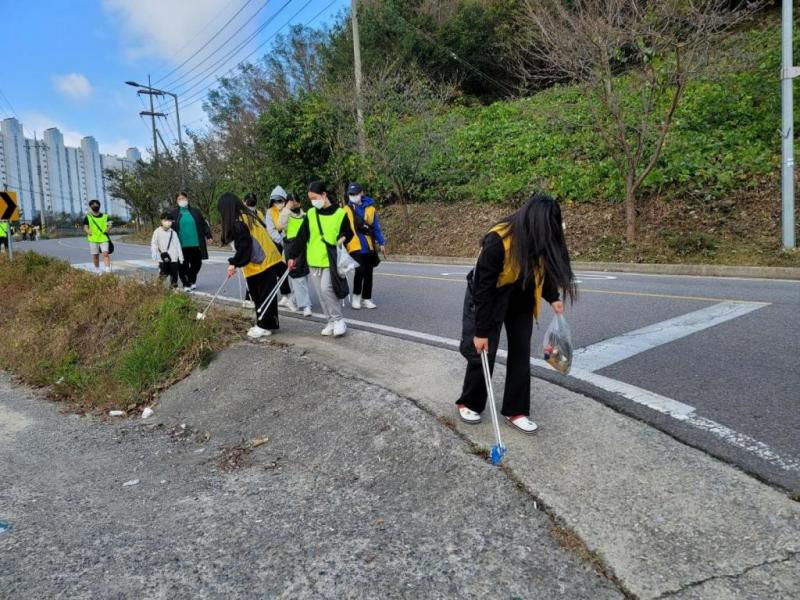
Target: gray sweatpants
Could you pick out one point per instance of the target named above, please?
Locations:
(321, 278)
(300, 290)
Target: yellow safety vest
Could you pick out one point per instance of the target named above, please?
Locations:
(3, 229)
(275, 213)
(511, 270)
(264, 252)
(317, 252)
(369, 218)
(97, 228)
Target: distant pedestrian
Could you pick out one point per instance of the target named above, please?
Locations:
(256, 254)
(277, 202)
(365, 245)
(165, 247)
(290, 221)
(523, 258)
(97, 227)
(325, 224)
(194, 234)
(4, 233)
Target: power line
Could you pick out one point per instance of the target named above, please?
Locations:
(219, 48)
(213, 37)
(9, 104)
(199, 96)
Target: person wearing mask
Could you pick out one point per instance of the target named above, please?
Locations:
(256, 254)
(97, 227)
(324, 225)
(277, 202)
(365, 244)
(523, 259)
(194, 234)
(290, 221)
(165, 248)
(251, 202)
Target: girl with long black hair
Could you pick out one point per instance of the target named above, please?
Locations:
(257, 256)
(523, 259)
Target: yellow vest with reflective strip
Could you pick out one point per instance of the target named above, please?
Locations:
(369, 218)
(317, 253)
(264, 252)
(511, 270)
(97, 228)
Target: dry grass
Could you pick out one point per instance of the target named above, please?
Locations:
(99, 342)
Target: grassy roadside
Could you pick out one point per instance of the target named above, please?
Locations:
(100, 342)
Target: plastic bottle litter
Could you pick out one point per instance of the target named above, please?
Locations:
(116, 413)
(147, 412)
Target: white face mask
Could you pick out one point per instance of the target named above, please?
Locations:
(318, 203)
(355, 199)
(183, 203)
(166, 224)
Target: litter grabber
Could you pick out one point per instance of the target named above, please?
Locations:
(202, 315)
(263, 308)
(498, 450)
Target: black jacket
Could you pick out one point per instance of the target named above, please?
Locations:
(490, 301)
(203, 230)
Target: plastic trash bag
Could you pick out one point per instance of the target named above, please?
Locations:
(344, 262)
(557, 345)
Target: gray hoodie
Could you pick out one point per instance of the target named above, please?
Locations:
(278, 193)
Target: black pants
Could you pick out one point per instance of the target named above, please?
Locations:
(362, 281)
(519, 327)
(169, 269)
(286, 288)
(260, 287)
(190, 267)
(4, 242)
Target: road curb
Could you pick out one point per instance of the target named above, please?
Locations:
(790, 273)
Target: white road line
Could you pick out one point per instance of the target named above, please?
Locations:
(613, 350)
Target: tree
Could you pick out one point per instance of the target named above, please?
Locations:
(635, 59)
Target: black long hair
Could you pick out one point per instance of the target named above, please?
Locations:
(537, 234)
(231, 209)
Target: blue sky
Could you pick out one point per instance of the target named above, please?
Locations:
(64, 62)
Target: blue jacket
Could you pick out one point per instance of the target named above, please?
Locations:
(359, 210)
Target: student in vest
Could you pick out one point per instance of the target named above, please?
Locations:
(257, 256)
(325, 223)
(4, 233)
(523, 259)
(277, 202)
(365, 244)
(165, 248)
(290, 221)
(194, 234)
(97, 227)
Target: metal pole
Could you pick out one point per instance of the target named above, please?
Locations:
(180, 140)
(153, 120)
(362, 142)
(787, 129)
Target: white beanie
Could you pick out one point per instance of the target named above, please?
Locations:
(278, 193)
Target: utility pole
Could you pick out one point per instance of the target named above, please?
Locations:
(788, 73)
(152, 114)
(362, 140)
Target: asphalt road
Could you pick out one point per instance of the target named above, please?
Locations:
(734, 363)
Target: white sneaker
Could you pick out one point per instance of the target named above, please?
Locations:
(339, 328)
(523, 424)
(284, 301)
(468, 415)
(328, 329)
(256, 332)
(291, 305)
(307, 311)
(356, 303)
(193, 287)
(368, 304)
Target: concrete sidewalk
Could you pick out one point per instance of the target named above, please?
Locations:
(667, 519)
(357, 493)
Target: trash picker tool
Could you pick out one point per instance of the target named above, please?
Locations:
(498, 449)
(202, 315)
(263, 308)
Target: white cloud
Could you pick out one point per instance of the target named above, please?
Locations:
(174, 29)
(73, 85)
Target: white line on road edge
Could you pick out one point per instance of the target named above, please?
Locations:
(616, 349)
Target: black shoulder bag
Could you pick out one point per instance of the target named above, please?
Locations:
(338, 283)
(165, 257)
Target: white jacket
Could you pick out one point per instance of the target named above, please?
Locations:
(161, 243)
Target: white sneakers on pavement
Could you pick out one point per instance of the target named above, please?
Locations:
(328, 329)
(356, 302)
(468, 415)
(368, 304)
(288, 303)
(339, 328)
(307, 311)
(257, 332)
(523, 424)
